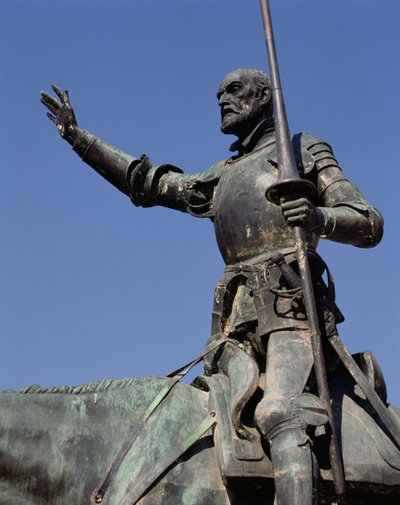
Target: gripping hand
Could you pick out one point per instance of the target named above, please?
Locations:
(302, 212)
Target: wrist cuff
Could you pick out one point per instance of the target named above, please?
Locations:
(83, 143)
(329, 223)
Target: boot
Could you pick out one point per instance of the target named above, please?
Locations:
(294, 471)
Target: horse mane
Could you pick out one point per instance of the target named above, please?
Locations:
(91, 387)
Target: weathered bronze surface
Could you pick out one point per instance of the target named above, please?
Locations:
(263, 381)
(258, 302)
(57, 444)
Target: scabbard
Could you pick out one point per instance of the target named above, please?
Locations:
(377, 404)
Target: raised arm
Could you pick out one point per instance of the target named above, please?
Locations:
(146, 184)
(110, 162)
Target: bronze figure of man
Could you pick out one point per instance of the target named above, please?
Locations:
(256, 302)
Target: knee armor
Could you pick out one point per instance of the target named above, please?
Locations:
(274, 415)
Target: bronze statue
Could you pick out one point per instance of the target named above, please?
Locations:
(257, 303)
(274, 345)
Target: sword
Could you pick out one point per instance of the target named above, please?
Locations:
(291, 186)
(380, 408)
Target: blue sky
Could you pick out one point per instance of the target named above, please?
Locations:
(92, 287)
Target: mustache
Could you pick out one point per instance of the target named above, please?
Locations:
(228, 110)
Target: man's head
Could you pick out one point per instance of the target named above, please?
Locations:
(245, 99)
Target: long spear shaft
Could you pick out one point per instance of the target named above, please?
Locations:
(290, 185)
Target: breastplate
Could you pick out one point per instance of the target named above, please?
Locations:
(246, 223)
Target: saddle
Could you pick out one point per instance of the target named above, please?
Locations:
(241, 460)
(370, 457)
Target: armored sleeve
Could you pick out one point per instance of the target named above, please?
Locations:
(146, 184)
(349, 218)
(168, 186)
(110, 162)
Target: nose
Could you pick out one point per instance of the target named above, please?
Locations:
(222, 100)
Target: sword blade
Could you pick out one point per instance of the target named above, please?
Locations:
(289, 182)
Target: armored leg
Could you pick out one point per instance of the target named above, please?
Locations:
(284, 414)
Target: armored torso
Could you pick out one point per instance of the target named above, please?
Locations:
(232, 194)
(246, 223)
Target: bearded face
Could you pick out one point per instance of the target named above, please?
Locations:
(242, 103)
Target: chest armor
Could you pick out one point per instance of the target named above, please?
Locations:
(246, 223)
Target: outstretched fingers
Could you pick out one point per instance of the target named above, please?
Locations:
(61, 112)
(51, 103)
(62, 95)
(52, 118)
(66, 97)
(58, 92)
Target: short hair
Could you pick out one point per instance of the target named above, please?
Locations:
(260, 78)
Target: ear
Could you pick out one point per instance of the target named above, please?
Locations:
(265, 94)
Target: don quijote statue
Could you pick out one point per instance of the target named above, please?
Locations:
(261, 374)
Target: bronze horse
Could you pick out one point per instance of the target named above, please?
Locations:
(58, 444)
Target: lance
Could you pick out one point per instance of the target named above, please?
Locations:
(290, 186)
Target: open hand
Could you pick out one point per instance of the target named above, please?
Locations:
(302, 212)
(62, 113)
